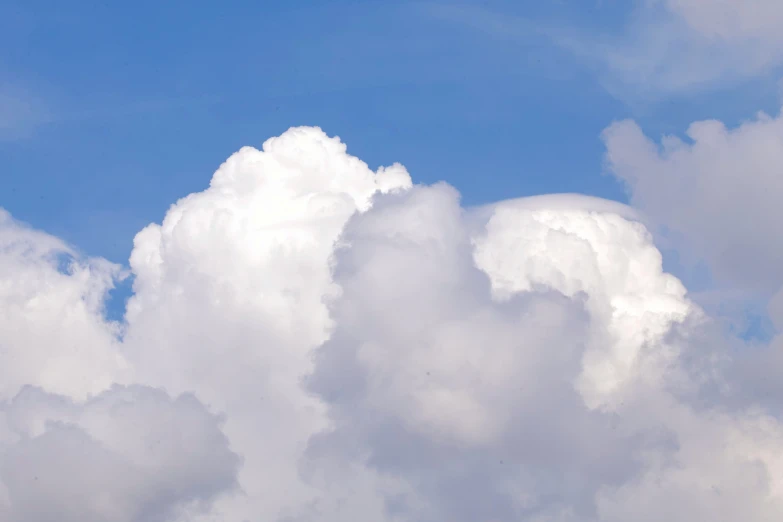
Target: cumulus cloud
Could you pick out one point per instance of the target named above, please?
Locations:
(126, 455)
(533, 370)
(714, 197)
(75, 444)
(606, 258)
(716, 192)
(464, 396)
(52, 331)
(230, 296)
(376, 351)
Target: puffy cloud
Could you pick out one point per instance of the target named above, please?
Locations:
(74, 445)
(52, 333)
(603, 256)
(126, 455)
(230, 296)
(464, 396)
(718, 192)
(378, 352)
(725, 467)
(531, 361)
(714, 196)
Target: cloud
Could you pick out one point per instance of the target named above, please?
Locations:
(52, 333)
(659, 48)
(20, 113)
(713, 196)
(126, 455)
(466, 396)
(602, 256)
(530, 370)
(717, 191)
(674, 46)
(230, 296)
(376, 351)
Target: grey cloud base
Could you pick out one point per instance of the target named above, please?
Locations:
(128, 454)
(376, 352)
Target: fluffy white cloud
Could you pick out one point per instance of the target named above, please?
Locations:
(550, 379)
(715, 196)
(52, 333)
(467, 398)
(378, 352)
(606, 258)
(73, 445)
(126, 455)
(718, 191)
(230, 296)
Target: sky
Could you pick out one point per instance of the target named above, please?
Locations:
(96, 94)
(391, 261)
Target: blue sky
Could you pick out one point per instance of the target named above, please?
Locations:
(128, 106)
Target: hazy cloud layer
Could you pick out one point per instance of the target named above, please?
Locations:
(670, 47)
(309, 339)
(21, 113)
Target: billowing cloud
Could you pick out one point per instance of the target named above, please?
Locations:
(716, 192)
(713, 195)
(230, 296)
(464, 396)
(126, 455)
(609, 260)
(52, 331)
(375, 351)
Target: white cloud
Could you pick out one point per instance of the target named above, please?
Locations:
(715, 196)
(379, 352)
(493, 405)
(465, 397)
(603, 256)
(126, 455)
(229, 299)
(718, 191)
(52, 333)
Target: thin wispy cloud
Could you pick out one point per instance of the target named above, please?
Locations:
(662, 48)
(21, 113)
